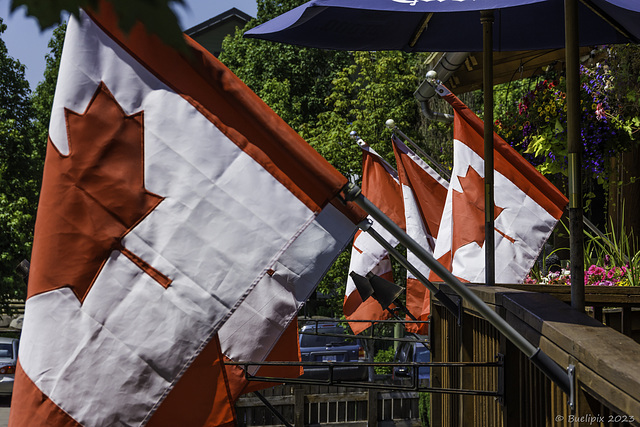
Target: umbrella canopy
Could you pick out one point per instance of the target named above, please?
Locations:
(454, 26)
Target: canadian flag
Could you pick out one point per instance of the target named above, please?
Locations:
(173, 199)
(527, 206)
(424, 192)
(381, 186)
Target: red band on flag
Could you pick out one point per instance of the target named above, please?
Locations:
(32, 408)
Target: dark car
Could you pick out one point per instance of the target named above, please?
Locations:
(411, 352)
(318, 345)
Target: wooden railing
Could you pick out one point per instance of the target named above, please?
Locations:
(606, 364)
(616, 306)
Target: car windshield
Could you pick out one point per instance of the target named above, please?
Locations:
(6, 351)
(307, 340)
(422, 354)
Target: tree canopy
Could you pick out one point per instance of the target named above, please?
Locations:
(24, 122)
(18, 185)
(293, 80)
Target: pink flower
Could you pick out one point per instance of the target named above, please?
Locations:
(522, 108)
(600, 115)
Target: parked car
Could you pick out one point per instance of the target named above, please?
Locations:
(412, 352)
(8, 361)
(317, 345)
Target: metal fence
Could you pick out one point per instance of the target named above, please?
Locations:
(312, 405)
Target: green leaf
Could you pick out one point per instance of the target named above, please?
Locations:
(558, 126)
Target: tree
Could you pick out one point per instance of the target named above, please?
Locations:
(24, 122)
(18, 185)
(376, 87)
(294, 81)
(43, 97)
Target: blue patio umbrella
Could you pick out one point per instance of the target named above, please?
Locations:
(449, 25)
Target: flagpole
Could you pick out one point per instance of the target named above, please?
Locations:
(486, 18)
(574, 153)
(391, 124)
(362, 143)
(557, 374)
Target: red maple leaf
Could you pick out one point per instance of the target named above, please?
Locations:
(91, 198)
(468, 212)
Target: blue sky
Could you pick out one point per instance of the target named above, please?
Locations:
(28, 44)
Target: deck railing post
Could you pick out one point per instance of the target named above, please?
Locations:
(298, 406)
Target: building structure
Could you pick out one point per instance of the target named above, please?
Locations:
(210, 33)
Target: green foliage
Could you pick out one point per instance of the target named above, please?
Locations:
(333, 285)
(536, 124)
(43, 97)
(270, 9)
(610, 259)
(156, 15)
(24, 120)
(292, 80)
(18, 185)
(376, 87)
(424, 408)
(617, 252)
(384, 356)
(624, 62)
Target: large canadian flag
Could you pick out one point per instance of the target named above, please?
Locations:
(527, 206)
(173, 201)
(424, 192)
(381, 186)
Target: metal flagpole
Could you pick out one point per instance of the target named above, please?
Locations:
(486, 17)
(574, 153)
(437, 293)
(272, 408)
(392, 125)
(540, 359)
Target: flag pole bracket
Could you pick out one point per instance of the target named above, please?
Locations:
(455, 309)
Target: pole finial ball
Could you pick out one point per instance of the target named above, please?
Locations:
(391, 124)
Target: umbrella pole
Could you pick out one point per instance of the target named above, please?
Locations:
(486, 17)
(574, 150)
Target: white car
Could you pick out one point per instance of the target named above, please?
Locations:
(8, 361)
